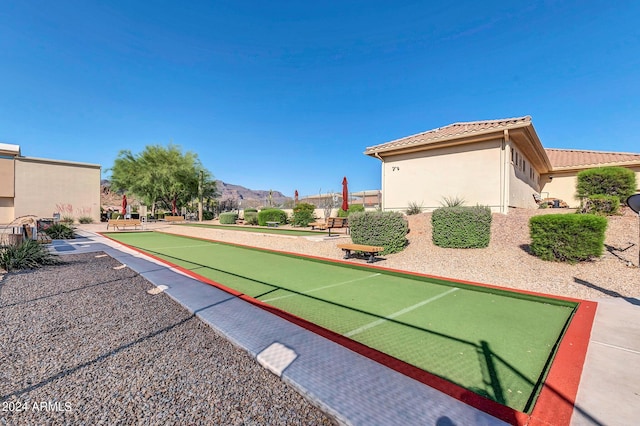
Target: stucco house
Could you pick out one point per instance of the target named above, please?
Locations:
(42, 187)
(496, 163)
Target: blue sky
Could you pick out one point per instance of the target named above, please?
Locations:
(287, 95)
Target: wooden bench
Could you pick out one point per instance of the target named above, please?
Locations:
(336, 222)
(371, 251)
(330, 223)
(117, 223)
(272, 224)
(174, 218)
(319, 225)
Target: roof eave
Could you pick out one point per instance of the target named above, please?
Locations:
(453, 140)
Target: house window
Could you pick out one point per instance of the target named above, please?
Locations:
(512, 154)
(524, 165)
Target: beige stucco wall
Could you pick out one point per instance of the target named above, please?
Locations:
(45, 187)
(6, 210)
(523, 180)
(472, 172)
(563, 186)
(6, 177)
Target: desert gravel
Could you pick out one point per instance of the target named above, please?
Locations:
(85, 344)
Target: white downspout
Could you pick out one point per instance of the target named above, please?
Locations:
(383, 189)
(505, 174)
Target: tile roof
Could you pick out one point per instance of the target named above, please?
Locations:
(452, 131)
(572, 158)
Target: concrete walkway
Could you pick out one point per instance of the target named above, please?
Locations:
(609, 392)
(356, 390)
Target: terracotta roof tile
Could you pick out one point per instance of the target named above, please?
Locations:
(571, 158)
(452, 131)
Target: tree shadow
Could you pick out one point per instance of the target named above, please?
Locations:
(615, 250)
(608, 292)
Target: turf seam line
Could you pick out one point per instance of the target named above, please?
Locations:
(321, 288)
(616, 347)
(397, 314)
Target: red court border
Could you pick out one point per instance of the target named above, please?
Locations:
(556, 400)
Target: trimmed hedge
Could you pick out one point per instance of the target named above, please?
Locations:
(567, 237)
(601, 204)
(386, 229)
(251, 210)
(250, 218)
(616, 181)
(228, 218)
(303, 214)
(461, 227)
(272, 215)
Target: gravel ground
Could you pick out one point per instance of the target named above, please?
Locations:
(85, 344)
(505, 263)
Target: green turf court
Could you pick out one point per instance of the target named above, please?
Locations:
(493, 342)
(262, 229)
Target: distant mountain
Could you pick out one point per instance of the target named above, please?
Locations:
(228, 191)
(237, 192)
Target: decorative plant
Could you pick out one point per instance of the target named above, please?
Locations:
(452, 201)
(414, 208)
(27, 255)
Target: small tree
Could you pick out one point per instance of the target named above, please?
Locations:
(619, 182)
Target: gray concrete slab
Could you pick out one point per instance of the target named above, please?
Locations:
(609, 391)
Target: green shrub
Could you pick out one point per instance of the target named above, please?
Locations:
(250, 218)
(604, 205)
(353, 208)
(116, 215)
(251, 210)
(414, 208)
(386, 229)
(207, 215)
(461, 227)
(619, 182)
(303, 214)
(356, 208)
(59, 231)
(567, 237)
(69, 220)
(27, 255)
(272, 215)
(85, 219)
(228, 218)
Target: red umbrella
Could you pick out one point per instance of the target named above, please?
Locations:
(124, 204)
(345, 195)
(295, 196)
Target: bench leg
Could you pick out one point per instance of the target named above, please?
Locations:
(347, 253)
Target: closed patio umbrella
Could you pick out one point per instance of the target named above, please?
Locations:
(345, 195)
(124, 204)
